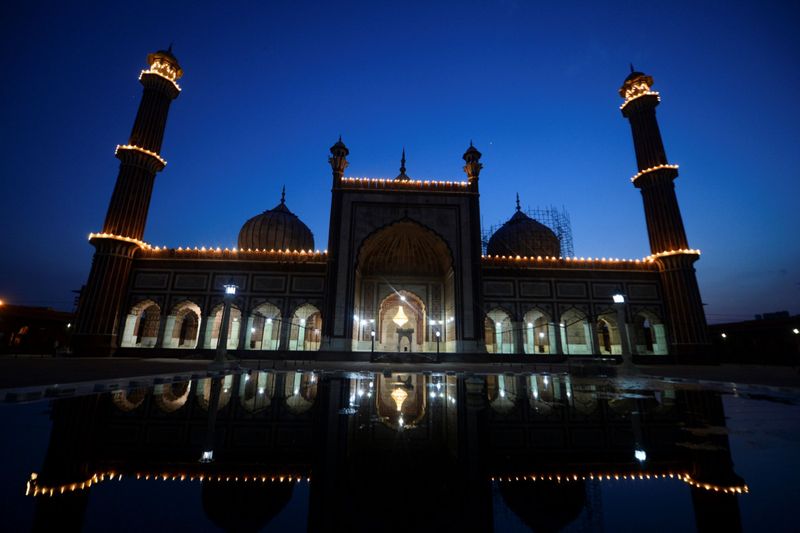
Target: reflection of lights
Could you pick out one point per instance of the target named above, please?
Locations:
(724, 335)
(402, 298)
(269, 321)
(502, 393)
(207, 456)
(541, 335)
(399, 395)
(261, 390)
(360, 393)
(230, 289)
(795, 331)
(640, 455)
(400, 421)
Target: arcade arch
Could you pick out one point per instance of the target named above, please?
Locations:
(141, 325)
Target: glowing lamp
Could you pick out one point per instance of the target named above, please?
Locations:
(207, 456)
(640, 455)
(400, 318)
(618, 298)
(231, 289)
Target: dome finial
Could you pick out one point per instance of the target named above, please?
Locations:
(402, 176)
(283, 195)
(518, 208)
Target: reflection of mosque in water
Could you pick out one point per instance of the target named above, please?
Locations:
(404, 270)
(449, 447)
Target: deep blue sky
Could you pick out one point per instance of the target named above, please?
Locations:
(267, 88)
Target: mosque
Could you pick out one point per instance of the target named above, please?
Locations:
(404, 274)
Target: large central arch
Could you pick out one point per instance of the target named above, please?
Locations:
(404, 291)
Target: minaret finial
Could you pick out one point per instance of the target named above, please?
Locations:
(283, 195)
(470, 143)
(518, 207)
(340, 137)
(170, 46)
(632, 69)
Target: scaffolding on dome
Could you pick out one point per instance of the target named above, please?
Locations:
(556, 219)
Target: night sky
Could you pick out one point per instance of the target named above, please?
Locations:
(268, 88)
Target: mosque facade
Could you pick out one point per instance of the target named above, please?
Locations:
(404, 274)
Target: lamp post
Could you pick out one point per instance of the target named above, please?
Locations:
(438, 337)
(222, 338)
(372, 339)
(619, 305)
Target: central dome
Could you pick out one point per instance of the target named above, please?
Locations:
(276, 229)
(524, 236)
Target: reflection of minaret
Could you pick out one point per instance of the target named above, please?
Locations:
(711, 463)
(668, 243)
(102, 298)
(67, 461)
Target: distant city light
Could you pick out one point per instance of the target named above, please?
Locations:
(207, 456)
(640, 455)
(795, 330)
(724, 335)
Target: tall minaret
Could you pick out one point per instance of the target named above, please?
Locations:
(335, 302)
(123, 230)
(688, 334)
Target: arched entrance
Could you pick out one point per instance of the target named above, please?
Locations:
(576, 335)
(401, 323)
(141, 325)
(404, 292)
(540, 333)
(263, 328)
(499, 333)
(649, 334)
(305, 329)
(183, 326)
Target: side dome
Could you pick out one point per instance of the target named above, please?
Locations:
(276, 229)
(524, 236)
